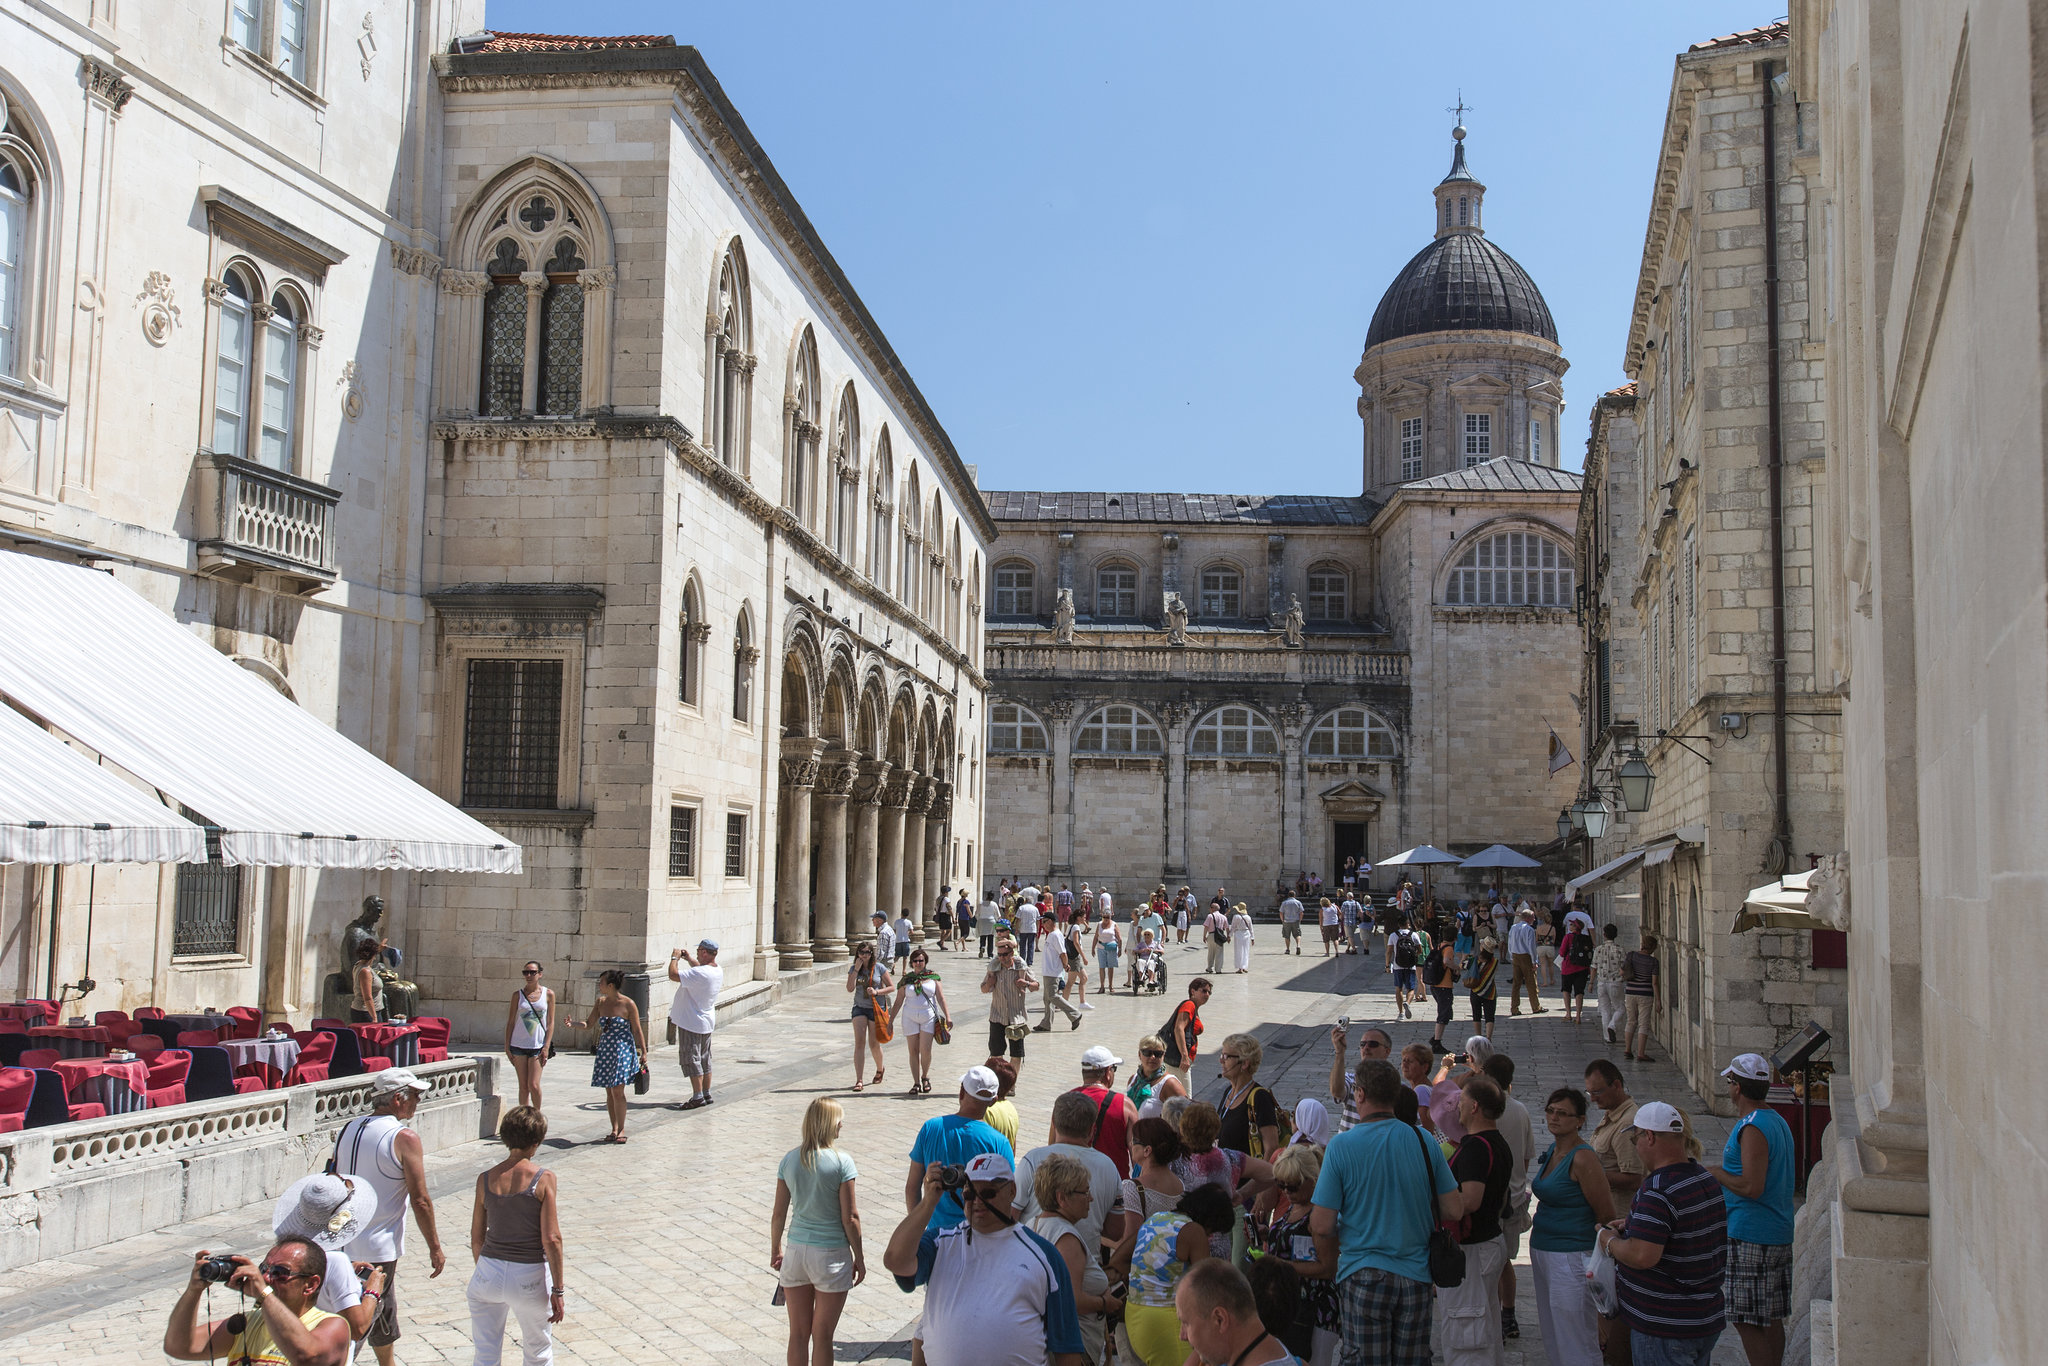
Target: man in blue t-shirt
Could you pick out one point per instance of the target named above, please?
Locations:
(1383, 1187)
(995, 1293)
(1756, 1176)
(954, 1139)
(1671, 1252)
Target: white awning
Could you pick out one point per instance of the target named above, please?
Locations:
(99, 663)
(57, 806)
(1779, 905)
(1605, 873)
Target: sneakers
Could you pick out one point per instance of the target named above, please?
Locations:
(1437, 1046)
(1041, 1029)
(1087, 1006)
(1610, 1035)
(1075, 1021)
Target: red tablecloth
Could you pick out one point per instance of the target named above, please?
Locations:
(400, 1043)
(77, 1071)
(87, 1033)
(20, 1012)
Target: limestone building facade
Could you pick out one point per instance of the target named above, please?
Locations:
(1693, 587)
(1230, 690)
(542, 448)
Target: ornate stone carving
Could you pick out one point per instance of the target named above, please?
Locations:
(700, 632)
(598, 277)
(897, 792)
(837, 779)
(920, 798)
(159, 306)
(464, 283)
(366, 44)
(534, 280)
(869, 787)
(1175, 714)
(497, 429)
(1176, 620)
(351, 391)
(750, 656)
(216, 291)
(312, 336)
(415, 260)
(742, 361)
(799, 771)
(1059, 709)
(942, 798)
(105, 84)
(1827, 892)
(1062, 617)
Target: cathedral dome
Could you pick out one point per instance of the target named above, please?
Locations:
(1460, 282)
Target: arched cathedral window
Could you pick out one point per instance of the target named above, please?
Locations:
(1351, 733)
(1234, 732)
(1119, 729)
(1015, 730)
(1512, 569)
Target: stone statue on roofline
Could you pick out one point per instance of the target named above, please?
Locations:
(1292, 624)
(1176, 620)
(1063, 617)
(400, 996)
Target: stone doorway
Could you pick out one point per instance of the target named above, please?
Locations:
(1347, 840)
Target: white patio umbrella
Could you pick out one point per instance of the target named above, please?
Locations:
(1423, 856)
(1499, 857)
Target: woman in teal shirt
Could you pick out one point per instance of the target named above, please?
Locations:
(1572, 1200)
(820, 1260)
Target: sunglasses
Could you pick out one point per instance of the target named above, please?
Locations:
(1562, 1112)
(1373, 1045)
(529, 972)
(1292, 1187)
(986, 1194)
(1151, 1052)
(278, 1271)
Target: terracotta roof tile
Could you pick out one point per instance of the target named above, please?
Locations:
(561, 42)
(1627, 390)
(1749, 37)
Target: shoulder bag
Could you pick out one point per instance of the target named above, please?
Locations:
(1446, 1258)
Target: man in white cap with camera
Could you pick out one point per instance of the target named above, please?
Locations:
(694, 1013)
(952, 1140)
(995, 1293)
(329, 1211)
(381, 1151)
(1671, 1251)
(1757, 1176)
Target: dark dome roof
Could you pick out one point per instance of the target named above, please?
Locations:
(1461, 282)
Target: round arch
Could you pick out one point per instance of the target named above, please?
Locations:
(1351, 732)
(1119, 728)
(1234, 731)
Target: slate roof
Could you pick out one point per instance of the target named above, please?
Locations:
(1504, 474)
(1210, 509)
(1749, 37)
(1461, 282)
(563, 42)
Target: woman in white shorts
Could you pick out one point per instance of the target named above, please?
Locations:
(920, 1005)
(820, 1260)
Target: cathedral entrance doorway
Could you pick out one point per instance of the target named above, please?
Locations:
(1347, 841)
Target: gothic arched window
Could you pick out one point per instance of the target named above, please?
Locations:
(1351, 733)
(692, 633)
(1512, 569)
(1118, 729)
(743, 656)
(906, 569)
(1231, 732)
(561, 333)
(1013, 729)
(504, 343)
(844, 476)
(22, 231)
(800, 439)
(731, 359)
(881, 508)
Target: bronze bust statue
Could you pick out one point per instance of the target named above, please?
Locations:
(400, 996)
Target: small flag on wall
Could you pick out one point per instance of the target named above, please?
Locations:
(1560, 757)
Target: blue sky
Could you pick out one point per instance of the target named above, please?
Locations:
(1136, 246)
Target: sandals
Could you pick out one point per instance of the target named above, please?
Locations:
(857, 1085)
(880, 1072)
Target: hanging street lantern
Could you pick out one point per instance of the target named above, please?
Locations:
(1578, 812)
(1565, 823)
(1597, 817)
(1636, 780)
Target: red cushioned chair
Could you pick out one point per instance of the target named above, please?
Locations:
(167, 1073)
(118, 1026)
(17, 1085)
(434, 1032)
(248, 1022)
(47, 1104)
(40, 1057)
(349, 1058)
(149, 1013)
(198, 1038)
(316, 1059)
(146, 1045)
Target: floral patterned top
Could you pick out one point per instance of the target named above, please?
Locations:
(1156, 1267)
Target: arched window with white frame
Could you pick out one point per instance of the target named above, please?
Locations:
(1119, 729)
(1351, 733)
(954, 582)
(881, 510)
(844, 475)
(1015, 729)
(234, 356)
(907, 556)
(1234, 733)
(932, 609)
(730, 356)
(24, 237)
(744, 654)
(802, 407)
(280, 384)
(694, 631)
(1512, 569)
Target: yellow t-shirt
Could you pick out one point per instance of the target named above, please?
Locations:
(254, 1346)
(1002, 1117)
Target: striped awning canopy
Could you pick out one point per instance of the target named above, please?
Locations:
(58, 806)
(102, 665)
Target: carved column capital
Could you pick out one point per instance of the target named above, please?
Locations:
(598, 277)
(464, 283)
(873, 780)
(1059, 709)
(920, 800)
(800, 761)
(837, 773)
(312, 336)
(896, 793)
(742, 362)
(942, 798)
(700, 632)
(534, 280)
(105, 84)
(216, 291)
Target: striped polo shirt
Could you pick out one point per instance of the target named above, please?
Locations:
(1680, 1208)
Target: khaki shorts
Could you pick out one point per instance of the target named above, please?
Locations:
(829, 1269)
(384, 1327)
(693, 1051)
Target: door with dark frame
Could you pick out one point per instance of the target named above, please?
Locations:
(1348, 841)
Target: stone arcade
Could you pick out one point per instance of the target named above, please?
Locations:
(1223, 689)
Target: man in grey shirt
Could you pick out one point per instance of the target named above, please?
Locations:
(1290, 925)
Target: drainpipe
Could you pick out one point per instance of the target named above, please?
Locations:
(1779, 855)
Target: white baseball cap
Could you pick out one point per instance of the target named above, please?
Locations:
(1749, 1067)
(990, 1166)
(1659, 1118)
(1098, 1057)
(980, 1083)
(390, 1079)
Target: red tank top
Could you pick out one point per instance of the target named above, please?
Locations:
(1112, 1137)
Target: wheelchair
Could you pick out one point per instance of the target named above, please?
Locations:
(1152, 979)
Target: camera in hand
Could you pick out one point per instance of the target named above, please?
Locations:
(216, 1270)
(952, 1178)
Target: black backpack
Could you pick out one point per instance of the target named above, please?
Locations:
(1433, 970)
(1579, 950)
(1404, 950)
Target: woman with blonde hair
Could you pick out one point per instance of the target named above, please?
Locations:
(1151, 1085)
(1314, 1334)
(820, 1259)
(1061, 1186)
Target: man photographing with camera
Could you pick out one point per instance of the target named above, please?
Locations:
(284, 1329)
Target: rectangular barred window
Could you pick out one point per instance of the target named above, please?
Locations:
(682, 841)
(735, 844)
(206, 920)
(512, 733)
(1478, 438)
(1411, 448)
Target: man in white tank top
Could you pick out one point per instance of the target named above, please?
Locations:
(382, 1152)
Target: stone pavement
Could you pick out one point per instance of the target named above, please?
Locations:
(667, 1241)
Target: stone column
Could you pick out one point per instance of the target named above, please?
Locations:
(536, 283)
(868, 786)
(1175, 715)
(913, 856)
(835, 781)
(1276, 576)
(937, 822)
(793, 851)
(1057, 713)
(889, 845)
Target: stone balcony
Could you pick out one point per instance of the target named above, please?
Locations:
(257, 520)
(1218, 658)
